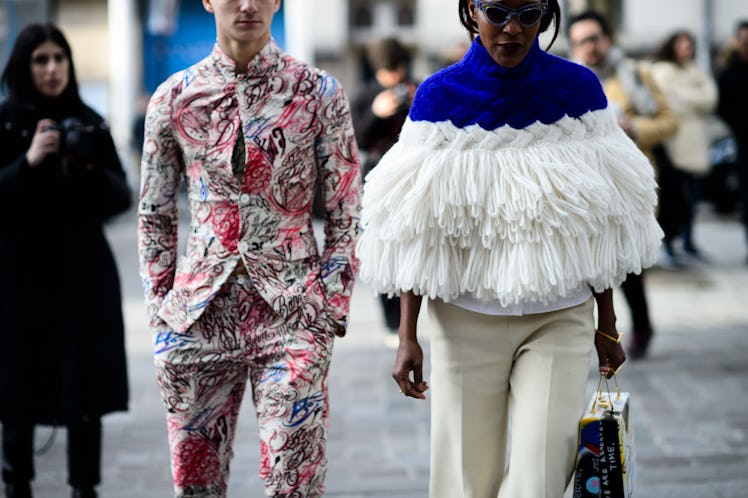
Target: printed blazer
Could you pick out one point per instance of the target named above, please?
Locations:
(294, 121)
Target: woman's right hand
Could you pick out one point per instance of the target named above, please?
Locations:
(46, 141)
(409, 353)
(410, 359)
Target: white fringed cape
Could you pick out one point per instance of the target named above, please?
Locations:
(509, 215)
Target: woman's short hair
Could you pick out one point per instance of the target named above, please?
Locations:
(553, 14)
(591, 15)
(16, 79)
(387, 53)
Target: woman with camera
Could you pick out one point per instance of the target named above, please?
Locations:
(62, 359)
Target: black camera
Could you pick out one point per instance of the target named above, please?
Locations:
(76, 139)
(402, 94)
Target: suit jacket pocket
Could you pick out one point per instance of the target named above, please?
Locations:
(293, 289)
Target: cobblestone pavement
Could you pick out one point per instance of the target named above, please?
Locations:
(689, 397)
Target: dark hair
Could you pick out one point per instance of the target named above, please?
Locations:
(553, 14)
(667, 51)
(16, 78)
(732, 55)
(387, 53)
(591, 15)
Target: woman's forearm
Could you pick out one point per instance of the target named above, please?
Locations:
(410, 306)
(606, 316)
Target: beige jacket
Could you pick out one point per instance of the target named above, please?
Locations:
(692, 94)
(650, 130)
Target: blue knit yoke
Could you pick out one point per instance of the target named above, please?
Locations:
(477, 90)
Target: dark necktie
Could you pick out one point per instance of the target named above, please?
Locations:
(239, 156)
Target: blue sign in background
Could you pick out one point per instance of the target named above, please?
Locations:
(192, 40)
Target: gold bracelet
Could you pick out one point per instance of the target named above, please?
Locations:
(610, 337)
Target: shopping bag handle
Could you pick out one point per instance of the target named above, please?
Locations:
(600, 398)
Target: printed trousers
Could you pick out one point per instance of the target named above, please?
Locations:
(506, 385)
(203, 374)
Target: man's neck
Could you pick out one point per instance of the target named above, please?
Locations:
(242, 52)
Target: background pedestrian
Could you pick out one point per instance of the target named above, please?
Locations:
(378, 112)
(643, 113)
(692, 95)
(733, 108)
(62, 355)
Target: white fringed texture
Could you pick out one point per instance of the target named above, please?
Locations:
(509, 215)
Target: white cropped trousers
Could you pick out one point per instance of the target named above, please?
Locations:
(496, 379)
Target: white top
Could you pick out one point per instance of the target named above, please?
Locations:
(471, 303)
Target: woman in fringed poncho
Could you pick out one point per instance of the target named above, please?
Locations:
(514, 203)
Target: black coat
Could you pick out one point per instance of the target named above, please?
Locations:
(62, 354)
(376, 135)
(733, 99)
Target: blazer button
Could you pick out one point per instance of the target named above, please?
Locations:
(244, 198)
(243, 247)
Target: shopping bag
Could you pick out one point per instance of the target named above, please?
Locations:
(605, 463)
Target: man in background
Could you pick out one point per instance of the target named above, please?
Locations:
(644, 115)
(733, 108)
(379, 112)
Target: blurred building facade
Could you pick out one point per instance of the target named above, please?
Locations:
(432, 30)
(123, 48)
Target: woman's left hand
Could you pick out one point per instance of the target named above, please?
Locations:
(610, 353)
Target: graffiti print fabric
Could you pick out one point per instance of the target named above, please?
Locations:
(203, 377)
(297, 131)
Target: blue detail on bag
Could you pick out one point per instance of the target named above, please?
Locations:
(593, 485)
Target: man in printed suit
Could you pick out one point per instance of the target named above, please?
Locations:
(251, 131)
